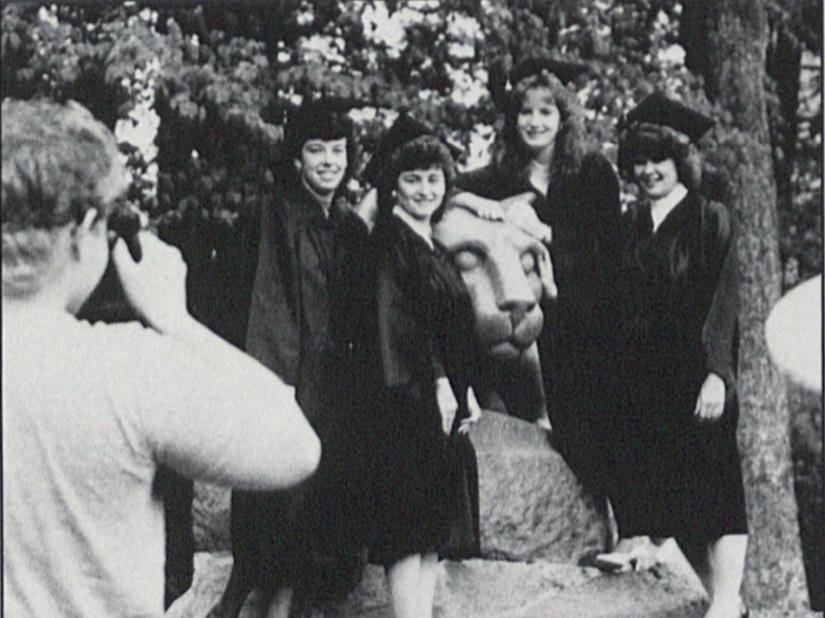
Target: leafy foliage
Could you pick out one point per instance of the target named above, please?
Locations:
(219, 77)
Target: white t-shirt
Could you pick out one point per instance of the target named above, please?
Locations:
(88, 414)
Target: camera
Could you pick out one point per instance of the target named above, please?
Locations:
(107, 302)
(125, 222)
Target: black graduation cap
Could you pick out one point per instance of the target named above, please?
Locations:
(657, 109)
(405, 129)
(501, 72)
(565, 70)
(323, 118)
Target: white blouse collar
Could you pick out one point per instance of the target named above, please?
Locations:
(661, 208)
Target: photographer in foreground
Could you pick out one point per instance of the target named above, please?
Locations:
(89, 412)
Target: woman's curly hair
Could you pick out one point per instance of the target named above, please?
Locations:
(423, 152)
(659, 142)
(570, 145)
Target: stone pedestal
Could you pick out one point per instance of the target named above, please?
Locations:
(486, 589)
(532, 507)
(531, 504)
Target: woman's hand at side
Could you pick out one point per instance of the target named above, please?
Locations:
(475, 413)
(447, 403)
(711, 401)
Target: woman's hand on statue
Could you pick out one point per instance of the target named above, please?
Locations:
(489, 210)
(711, 401)
(475, 413)
(517, 202)
(520, 213)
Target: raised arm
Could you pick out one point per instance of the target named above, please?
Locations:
(209, 410)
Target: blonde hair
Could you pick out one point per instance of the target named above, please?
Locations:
(58, 162)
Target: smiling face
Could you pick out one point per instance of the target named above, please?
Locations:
(656, 176)
(538, 120)
(420, 192)
(322, 164)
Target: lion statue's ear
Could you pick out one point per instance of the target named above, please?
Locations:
(523, 216)
(546, 275)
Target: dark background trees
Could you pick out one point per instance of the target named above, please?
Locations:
(198, 93)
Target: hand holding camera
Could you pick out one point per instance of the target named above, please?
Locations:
(125, 222)
(156, 285)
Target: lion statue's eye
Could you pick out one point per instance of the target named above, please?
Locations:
(467, 259)
(528, 261)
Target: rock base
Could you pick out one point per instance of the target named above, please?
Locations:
(532, 506)
(486, 589)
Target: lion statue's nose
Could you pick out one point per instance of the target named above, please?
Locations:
(517, 310)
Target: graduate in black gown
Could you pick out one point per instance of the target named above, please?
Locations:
(420, 359)
(676, 465)
(305, 545)
(542, 157)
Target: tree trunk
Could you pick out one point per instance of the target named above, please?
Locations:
(730, 38)
(784, 65)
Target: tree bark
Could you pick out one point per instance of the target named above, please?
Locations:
(784, 65)
(728, 39)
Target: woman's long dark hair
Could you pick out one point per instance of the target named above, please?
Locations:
(570, 144)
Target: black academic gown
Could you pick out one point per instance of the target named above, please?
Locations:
(424, 482)
(675, 476)
(576, 342)
(307, 538)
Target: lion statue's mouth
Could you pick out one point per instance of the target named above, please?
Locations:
(504, 341)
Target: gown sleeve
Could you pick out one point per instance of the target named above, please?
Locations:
(273, 335)
(399, 335)
(599, 186)
(719, 329)
(484, 182)
(350, 291)
(406, 346)
(600, 183)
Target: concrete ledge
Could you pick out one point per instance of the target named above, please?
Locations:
(486, 589)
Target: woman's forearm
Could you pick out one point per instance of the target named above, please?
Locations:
(471, 201)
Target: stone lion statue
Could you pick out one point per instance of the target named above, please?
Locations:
(508, 273)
